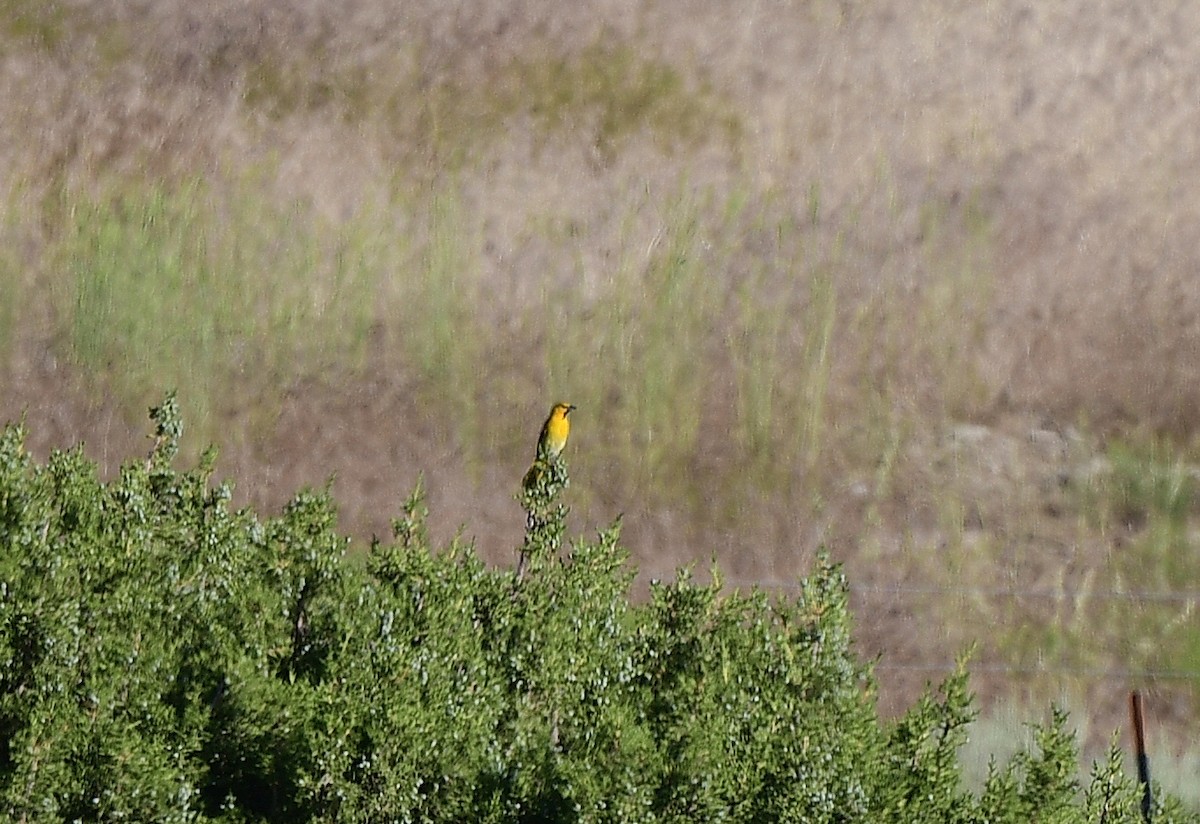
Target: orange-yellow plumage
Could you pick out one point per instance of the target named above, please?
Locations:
(555, 430)
(551, 441)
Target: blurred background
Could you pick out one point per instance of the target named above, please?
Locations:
(916, 283)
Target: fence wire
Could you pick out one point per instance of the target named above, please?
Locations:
(899, 594)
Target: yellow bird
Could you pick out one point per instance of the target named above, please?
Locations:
(551, 441)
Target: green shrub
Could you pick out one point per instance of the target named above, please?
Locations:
(165, 658)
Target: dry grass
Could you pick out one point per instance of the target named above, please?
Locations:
(776, 256)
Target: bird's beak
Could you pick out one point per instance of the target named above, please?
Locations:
(570, 409)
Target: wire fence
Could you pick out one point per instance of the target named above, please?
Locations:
(905, 595)
(991, 592)
(1083, 673)
(900, 594)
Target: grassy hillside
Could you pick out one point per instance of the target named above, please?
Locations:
(914, 284)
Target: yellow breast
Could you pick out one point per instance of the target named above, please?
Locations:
(557, 430)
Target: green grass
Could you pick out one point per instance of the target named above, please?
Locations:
(623, 92)
(436, 316)
(33, 22)
(1148, 482)
(1115, 607)
(661, 308)
(177, 286)
(1148, 495)
(649, 355)
(738, 316)
(631, 354)
(610, 91)
(12, 285)
(739, 313)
